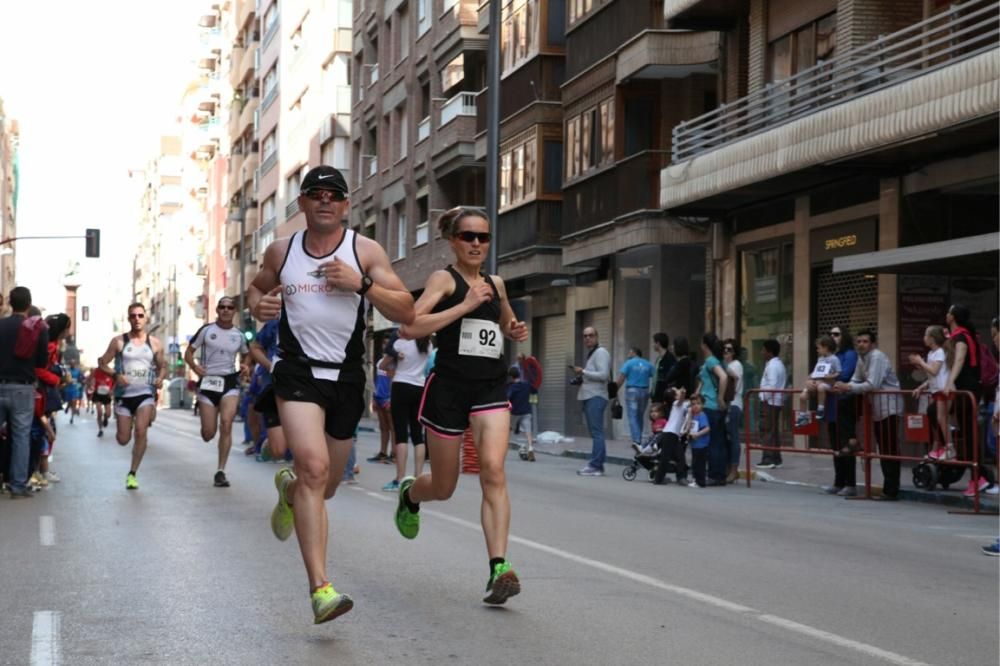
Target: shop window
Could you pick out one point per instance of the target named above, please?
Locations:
(766, 309)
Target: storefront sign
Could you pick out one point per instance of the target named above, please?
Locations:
(765, 290)
(923, 301)
(842, 240)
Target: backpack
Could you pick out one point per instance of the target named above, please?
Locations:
(27, 337)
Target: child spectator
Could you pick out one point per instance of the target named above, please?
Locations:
(519, 395)
(823, 375)
(672, 447)
(656, 423)
(698, 434)
(936, 368)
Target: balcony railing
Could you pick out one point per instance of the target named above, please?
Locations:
(372, 165)
(373, 74)
(268, 163)
(423, 129)
(632, 185)
(462, 104)
(269, 98)
(960, 32)
(292, 207)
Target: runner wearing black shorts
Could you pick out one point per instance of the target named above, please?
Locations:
(219, 345)
(318, 284)
(470, 312)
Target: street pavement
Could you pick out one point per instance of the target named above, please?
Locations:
(613, 572)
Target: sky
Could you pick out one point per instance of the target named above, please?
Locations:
(92, 86)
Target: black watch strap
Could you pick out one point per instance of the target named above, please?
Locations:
(366, 284)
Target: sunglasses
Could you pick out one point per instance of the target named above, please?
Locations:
(323, 195)
(835, 334)
(136, 315)
(729, 349)
(469, 236)
(226, 307)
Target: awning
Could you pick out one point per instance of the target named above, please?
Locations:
(973, 255)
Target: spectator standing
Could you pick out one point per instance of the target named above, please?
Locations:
(635, 374)
(841, 419)
(874, 373)
(684, 372)
(672, 448)
(382, 404)
(665, 362)
(712, 381)
(17, 383)
(734, 417)
(409, 358)
(531, 371)
(775, 377)
(935, 368)
(593, 393)
(519, 395)
(700, 434)
(964, 375)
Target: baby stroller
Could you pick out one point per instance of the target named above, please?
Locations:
(649, 460)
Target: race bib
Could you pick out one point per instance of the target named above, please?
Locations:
(213, 383)
(480, 337)
(822, 370)
(103, 390)
(136, 373)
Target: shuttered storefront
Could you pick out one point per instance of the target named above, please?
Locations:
(845, 299)
(554, 356)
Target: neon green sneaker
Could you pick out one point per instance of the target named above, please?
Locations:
(329, 604)
(283, 518)
(407, 522)
(131, 483)
(502, 585)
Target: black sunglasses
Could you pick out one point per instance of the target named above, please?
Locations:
(323, 195)
(728, 349)
(835, 334)
(226, 307)
(469, 236)
(136, 315)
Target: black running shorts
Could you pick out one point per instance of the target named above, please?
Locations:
(268, 407)
(448, 403)
(343, 402)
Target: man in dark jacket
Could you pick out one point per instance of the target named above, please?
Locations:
(665, 360)
(17, 385)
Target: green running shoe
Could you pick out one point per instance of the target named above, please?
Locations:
(502, 585)
(283, 518)
(131, 483)
(328, 604)
(407, 522)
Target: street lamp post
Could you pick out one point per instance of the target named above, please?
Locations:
(493, 129)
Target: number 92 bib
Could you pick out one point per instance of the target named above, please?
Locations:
(480, 337)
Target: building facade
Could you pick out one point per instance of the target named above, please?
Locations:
(849, 173)
(9, 143)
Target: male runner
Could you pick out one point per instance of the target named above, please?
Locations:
(218, 345)
(319, 282)
(104, 384)
(138, 372)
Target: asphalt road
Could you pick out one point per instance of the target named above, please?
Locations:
(180, 572)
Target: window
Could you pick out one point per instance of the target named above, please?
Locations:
(423, 223)
(270, 17)
(403, 33)
(453, 73)
(400, 233)
(270, 208)
(552, 167)
(517, 173)
(270, 144)
(802, 48)
(271, 80)
(401, 121)
(292, 186)
(423, 17)
(335, 153)
(518, 32)
(578, 9)
(590, 139)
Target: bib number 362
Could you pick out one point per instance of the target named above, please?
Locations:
(480, 337)
(213, 383)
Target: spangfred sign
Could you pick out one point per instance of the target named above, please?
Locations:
(842, 240)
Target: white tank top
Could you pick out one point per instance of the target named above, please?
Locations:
(136, 362)
(319, 323)
(219, 348)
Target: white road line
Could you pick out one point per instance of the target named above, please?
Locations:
(47, 530)
(694, 595)
(45, 639)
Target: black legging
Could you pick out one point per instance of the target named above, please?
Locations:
(405, 408)
(671, 450)
(843, 429)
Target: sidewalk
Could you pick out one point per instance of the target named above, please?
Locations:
(809, 471)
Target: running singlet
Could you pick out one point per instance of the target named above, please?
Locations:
(138, 365)
(103, 384)
(471, 347)
(219, 348)
(321, 328)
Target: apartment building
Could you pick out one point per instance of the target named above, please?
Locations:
(9, 142)
(590, 92)
(850, 171)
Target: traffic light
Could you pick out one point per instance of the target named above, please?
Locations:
(249, 330)
(179, 363)
(93, 243)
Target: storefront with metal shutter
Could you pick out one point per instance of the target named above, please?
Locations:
(554, 355)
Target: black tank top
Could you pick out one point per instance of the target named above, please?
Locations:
(471, 348)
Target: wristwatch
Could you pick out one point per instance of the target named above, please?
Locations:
(366, 284)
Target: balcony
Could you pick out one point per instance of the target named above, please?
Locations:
(291, 208)
(248, 62)
(250, 163)
(235, 177)
(269, 98)
(269, 162)
(250, 107)
(270, 34)
(253, 216)
(244, 10)
(937, 75)
(628, 187)
(656, 54)
(423, 129)
(235, 58)
(529, 226)
(462, 104)
(598, 37)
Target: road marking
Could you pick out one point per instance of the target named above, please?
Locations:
(45, 639)
(47, 530)
(694, 595)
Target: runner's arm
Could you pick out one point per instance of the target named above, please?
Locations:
(439, 285)
(387, 293)
(267, 278)
(511, 327)
(160, 362)
(104, 362)
(258, 354)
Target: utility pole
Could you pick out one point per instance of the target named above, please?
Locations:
(493, 130)
(243, 256)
